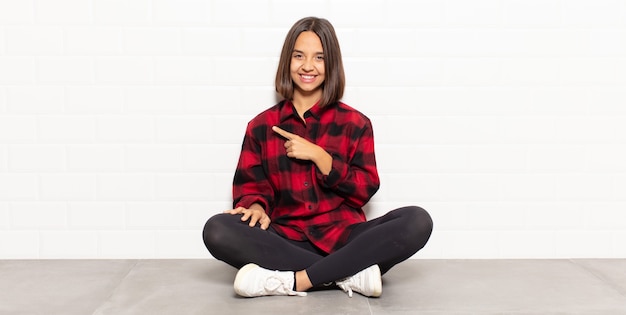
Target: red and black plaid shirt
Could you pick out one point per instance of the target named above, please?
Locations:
(302, 203)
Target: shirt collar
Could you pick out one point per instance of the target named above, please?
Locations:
(288, 110)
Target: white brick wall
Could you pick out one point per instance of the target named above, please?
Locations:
(121, 121)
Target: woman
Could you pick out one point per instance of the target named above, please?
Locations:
(306, 169)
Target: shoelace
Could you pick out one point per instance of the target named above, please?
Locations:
(278, 283)
(345, 286)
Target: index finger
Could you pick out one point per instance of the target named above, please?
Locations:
(283, 133)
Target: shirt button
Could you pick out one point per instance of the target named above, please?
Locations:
(310, 207)
(306, 184)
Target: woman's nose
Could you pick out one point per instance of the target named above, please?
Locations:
(307, 65)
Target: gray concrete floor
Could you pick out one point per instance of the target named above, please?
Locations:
(82, 287)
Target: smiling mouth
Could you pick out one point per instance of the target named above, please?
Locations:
(306, 77)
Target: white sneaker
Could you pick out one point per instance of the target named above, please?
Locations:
(252, 281)
(367, 282)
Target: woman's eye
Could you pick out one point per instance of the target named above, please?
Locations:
(320, 57)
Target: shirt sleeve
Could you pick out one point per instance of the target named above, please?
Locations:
(354, 177)
(250, 183)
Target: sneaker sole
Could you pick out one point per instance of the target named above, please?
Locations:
(376, 283)
(241, 275)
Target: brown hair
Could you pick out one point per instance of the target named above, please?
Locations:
(334, 83)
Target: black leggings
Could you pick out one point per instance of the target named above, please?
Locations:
(385, 241)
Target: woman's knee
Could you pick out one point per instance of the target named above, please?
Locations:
(419, 223)
(215, 232)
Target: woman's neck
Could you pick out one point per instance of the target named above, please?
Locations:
(302, 103)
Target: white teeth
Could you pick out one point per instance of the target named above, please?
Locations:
(308, 77)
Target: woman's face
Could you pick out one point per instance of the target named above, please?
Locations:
(307, 64)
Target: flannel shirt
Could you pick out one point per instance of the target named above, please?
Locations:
(304, 204)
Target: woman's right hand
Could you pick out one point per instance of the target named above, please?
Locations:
(255, 214)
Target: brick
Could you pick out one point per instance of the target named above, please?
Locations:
(90, 40)
(445, 159)
(466, 244)
(202, 41)
(211, 157)
(19, 187)
(555, 215)
(126, 187)
(264, 42)
(412, 188)
(152, 41)
(283, 13)
(154, 99)
(534, 13)
(470, 72)
(482, 13)
(583, 244)
(497, 158)
(619, 186)
(19, 244)
(28, 158)
(68, 187)
(229, 13)
(187, 70)
(228, 129)
(185, 129)
(154, 158)
(4, 216)
(557, 158)
(95, 158)
(584, 187)
(256, 99)
(57, 12)
(526, 187)
(588, 71)
(3, 100)
(94, 99)
(18, 129)
(414, 14)
(363, 13)
(526, 244)
(4, 158)
(603, 13)
(122, 12)
(222, 186)
(185, 187)
(96, 215)
(604, 215)
(127, 244)
(499, 216)
(124, 70)
(378, 42)
(156, 215)
(126, 129)
(214, 100)
(35, 99)
(34, 40)
(17, 70)
(74, 70)
(530, 71)
(17, 12)
(551, 100)
(618, 240)
(263, 71)
(39, 215)
(69, 244)
(185, 12)
(67, 129)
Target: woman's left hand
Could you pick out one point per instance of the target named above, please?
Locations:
(302, 149)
